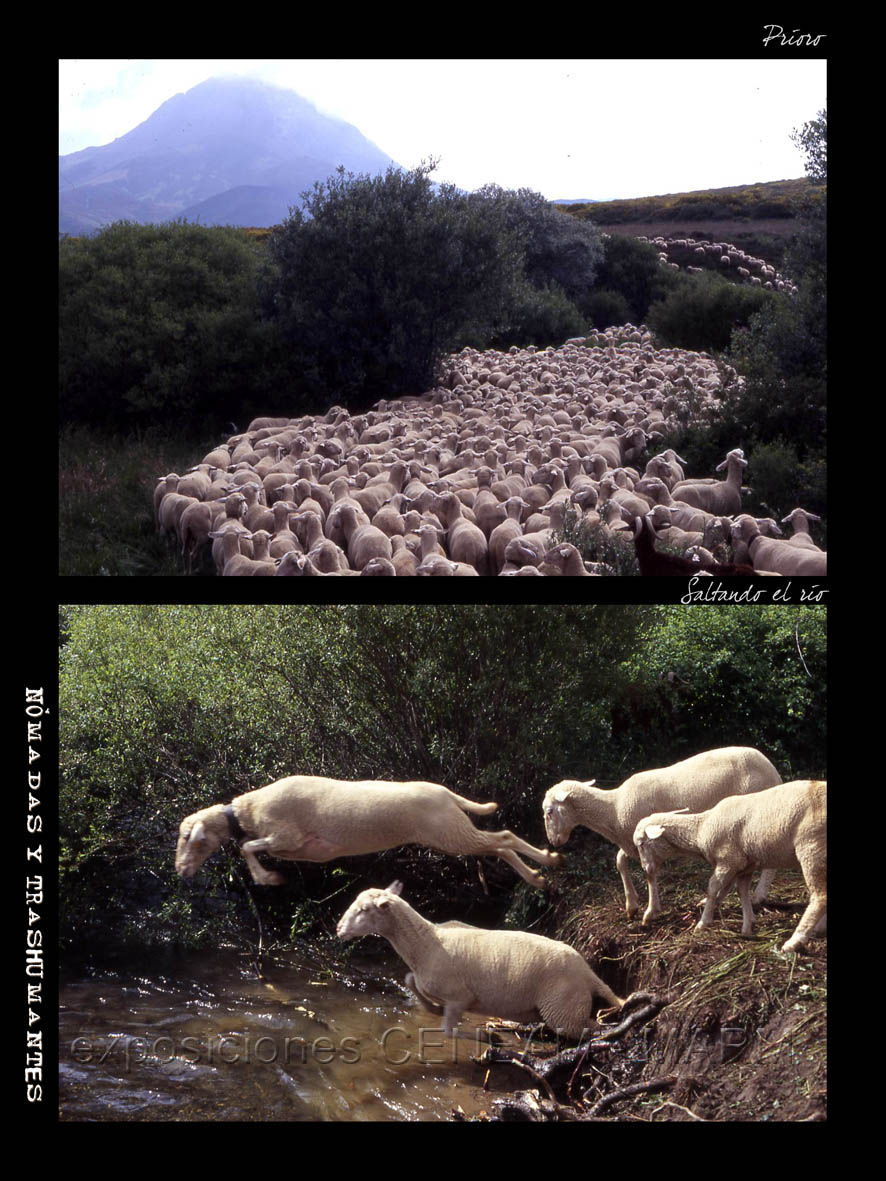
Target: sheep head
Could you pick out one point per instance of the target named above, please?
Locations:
(366, 914)
(651, 839)
(199, 836)
(558, 810)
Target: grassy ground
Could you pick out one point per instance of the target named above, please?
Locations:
(105, 507)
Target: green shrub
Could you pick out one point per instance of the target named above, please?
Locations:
(540, 316)
(378, 277)
(703, 310)
(631, 270)
(160, 322)
(596, 543)
(605, 307)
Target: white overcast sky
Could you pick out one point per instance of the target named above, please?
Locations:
(572, 129)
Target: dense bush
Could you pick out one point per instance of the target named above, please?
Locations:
(163, 321)
(779, 416)
(605, 307)
(558, 249)
(540, 316)
(631, 269)
(378, 277)
(703, 310)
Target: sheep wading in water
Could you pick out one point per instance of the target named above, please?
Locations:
(454, 967)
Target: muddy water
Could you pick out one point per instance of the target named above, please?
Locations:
(205, 1039)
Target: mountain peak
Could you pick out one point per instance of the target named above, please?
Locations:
(228, 132)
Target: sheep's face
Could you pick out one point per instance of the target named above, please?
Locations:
(558, 814)
(195, 844)
(366, 914)
(651, 844)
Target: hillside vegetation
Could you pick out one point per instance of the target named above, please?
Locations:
(777, 199)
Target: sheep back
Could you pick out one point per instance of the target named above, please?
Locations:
(695, 783)
(363, 816)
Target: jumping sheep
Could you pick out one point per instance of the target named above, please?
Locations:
(312, 818)
(782, 827)
(697, 782)
(513, 975)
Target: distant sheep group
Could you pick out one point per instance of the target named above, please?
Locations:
(679, 252)
(471, 478)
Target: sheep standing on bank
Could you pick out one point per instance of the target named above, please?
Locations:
(782, 827)
(454, 967)
(697, 783)
(312, 818)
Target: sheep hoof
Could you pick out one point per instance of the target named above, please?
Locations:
(271, 878)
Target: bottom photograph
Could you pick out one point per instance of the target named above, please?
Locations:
(449, 863)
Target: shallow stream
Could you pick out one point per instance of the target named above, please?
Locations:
(204, 1038)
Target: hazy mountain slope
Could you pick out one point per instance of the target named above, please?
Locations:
(225, 134)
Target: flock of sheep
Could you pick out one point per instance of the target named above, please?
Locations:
(677, 253)
(476, 476)
(726, 806)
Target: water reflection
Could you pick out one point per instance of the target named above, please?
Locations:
(207, 1040)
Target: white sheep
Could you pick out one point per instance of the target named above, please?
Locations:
(799, 519)
(774, 554)
(312, 818)
(782, 827)
(696, 782)
(513, 975)
(525, 422)
(722, 497)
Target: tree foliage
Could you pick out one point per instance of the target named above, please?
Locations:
(163, 320)
(558, 249)
(378, 277)
(702, 312)
(631, 269)
(779, 416)
(166, 709)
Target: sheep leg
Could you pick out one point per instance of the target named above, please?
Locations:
(632, 901)
(264, 877)
(452, 1011)
(526, 872)
(747, 908)
(653, 907)
(814, 917)
(510, 841)
(430, 1006)
(721, 879)
(763, 885)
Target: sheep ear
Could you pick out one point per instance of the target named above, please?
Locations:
(198, 832)
(561, 796)
(588, 782)
(652, 831)
(395, 888)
